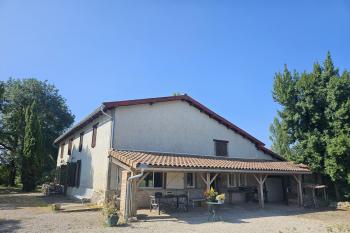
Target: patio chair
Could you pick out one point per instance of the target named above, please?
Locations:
(182, 202)
(154, 202)
(192, 200)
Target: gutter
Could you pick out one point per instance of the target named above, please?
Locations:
(129, 194)
(108, 172)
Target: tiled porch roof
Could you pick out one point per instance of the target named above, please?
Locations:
(155, 160)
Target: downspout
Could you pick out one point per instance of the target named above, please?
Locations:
(111, 117)
(128, 193)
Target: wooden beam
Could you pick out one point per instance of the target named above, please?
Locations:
(117, 162)
(142, 178)
(261, 179)
(208, 181)
(211, 181)
(204, 180)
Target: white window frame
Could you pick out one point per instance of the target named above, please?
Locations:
(236, 180)
(194, 180)
(153, 182)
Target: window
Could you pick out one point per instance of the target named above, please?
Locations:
(81, 141)
(221, 147)
(70, 143)
(236, 180)
(94, 135)
(62, 150)
(74, 170)
(153, 180)
(190, 178)
(77, 174)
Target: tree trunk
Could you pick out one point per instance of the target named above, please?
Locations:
(337, 194)
(13, 172)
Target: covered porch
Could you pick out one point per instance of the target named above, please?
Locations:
(136, 176)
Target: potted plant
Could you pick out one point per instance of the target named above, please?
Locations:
(220, 198)
(111, 214)
(211, 195)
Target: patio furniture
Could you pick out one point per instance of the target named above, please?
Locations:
(314, 188)
(212, 211)
(194, 198)
(177, 202)
(51, 188)
(193, 201)
(154, 201)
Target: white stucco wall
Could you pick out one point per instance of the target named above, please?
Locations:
(94, 161)
(179, 128)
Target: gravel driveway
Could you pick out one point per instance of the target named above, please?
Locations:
(26, 215)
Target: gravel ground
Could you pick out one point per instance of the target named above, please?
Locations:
(26, 215)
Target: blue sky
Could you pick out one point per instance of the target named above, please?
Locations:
(222, 53)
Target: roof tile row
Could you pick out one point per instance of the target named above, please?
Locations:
(157, 160)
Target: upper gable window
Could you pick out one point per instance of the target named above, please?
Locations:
(94, 135)
(81, 141)
(221, 147)
(70, 143)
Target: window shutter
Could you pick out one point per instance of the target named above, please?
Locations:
(221, 148)
(62, 150)
(81, 141)
(70, 143)
(94, 135)
(72, 173)
(78, 169)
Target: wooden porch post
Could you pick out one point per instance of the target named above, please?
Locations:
(124, 180)
(208, 181)
(261, 179)
(133, 199)
(300, 189)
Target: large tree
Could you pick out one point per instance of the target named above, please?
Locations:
(315, 120)
(53, 114)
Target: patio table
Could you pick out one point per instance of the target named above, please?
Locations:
(212, 211)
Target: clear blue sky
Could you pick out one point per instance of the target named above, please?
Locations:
(222, 53)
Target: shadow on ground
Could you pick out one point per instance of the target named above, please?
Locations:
(230, 213)
(9, 225)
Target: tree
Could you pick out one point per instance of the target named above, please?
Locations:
(314, 120)
(280, 139)
(52, 112)
(32, 149)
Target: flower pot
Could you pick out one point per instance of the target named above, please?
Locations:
(112, 220)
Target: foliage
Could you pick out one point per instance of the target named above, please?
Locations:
(220, 197)
(313, 126)
(211, 194)
(280, 139)
(32, 150)
(109, 209)
(52, 113)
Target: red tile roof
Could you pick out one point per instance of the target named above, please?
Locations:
(183, 161)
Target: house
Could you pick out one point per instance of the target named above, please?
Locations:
(135, 148)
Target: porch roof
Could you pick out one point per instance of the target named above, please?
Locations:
(169, 161)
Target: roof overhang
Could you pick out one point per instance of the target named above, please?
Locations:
(167, 162)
